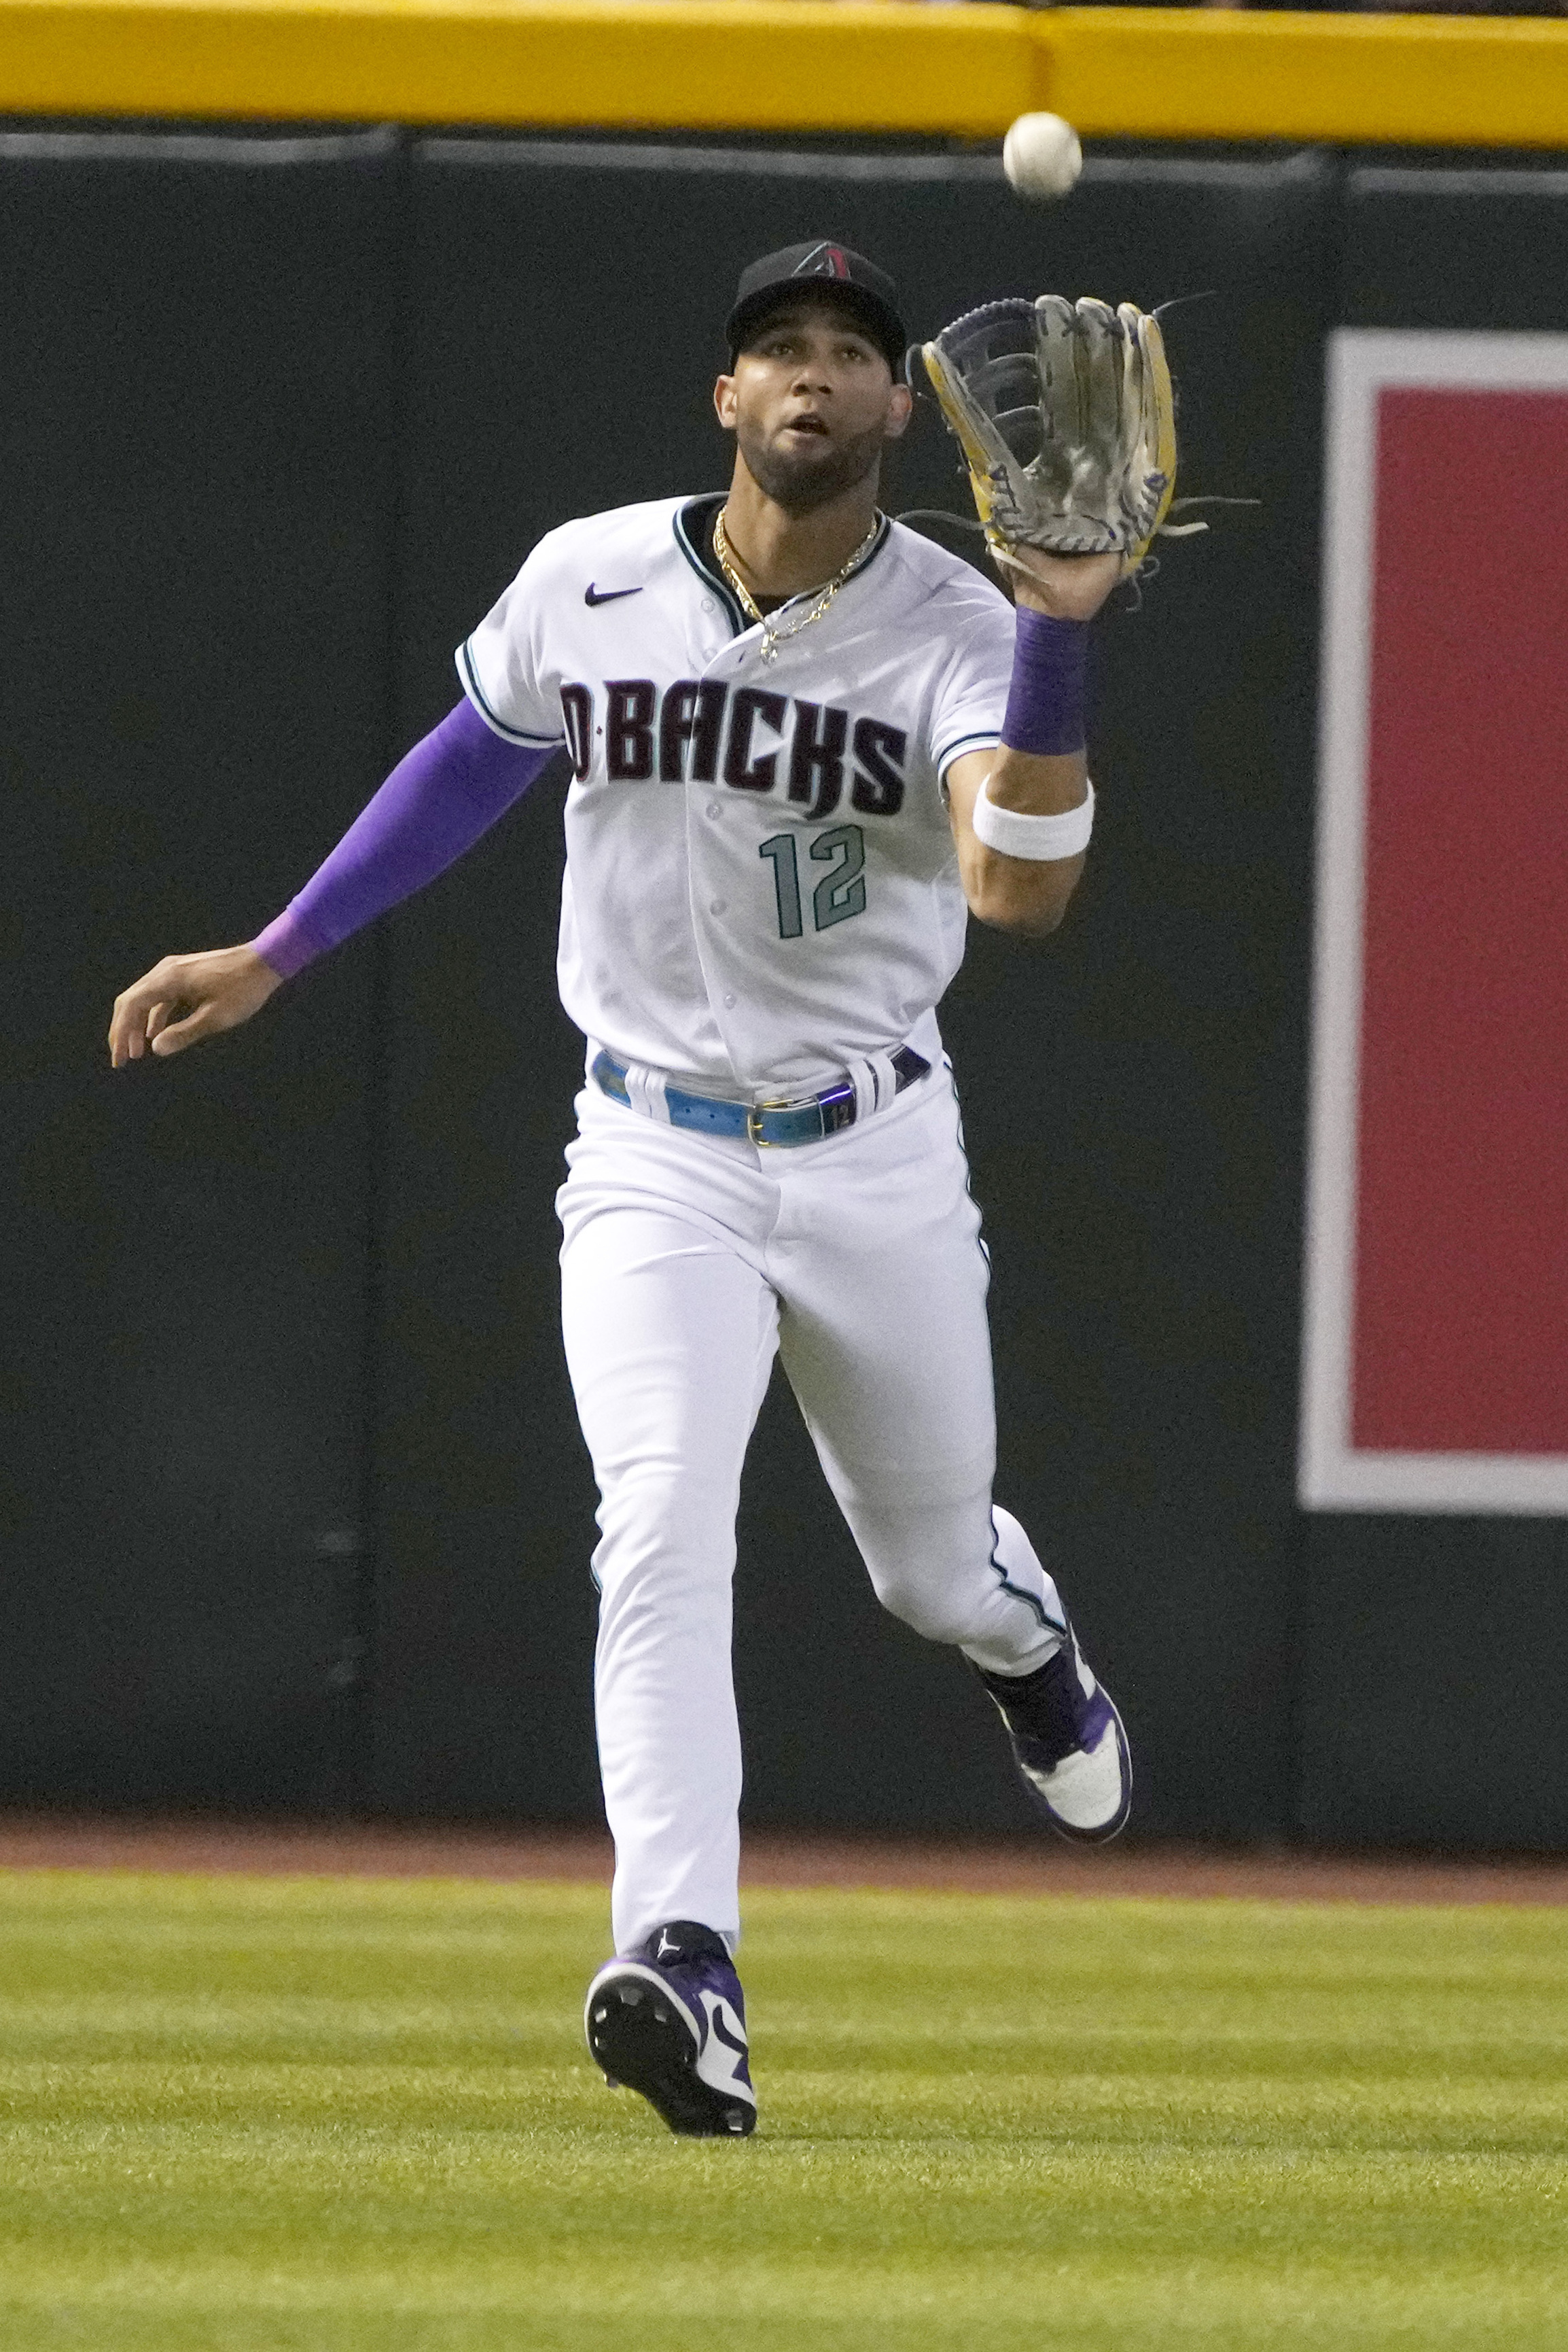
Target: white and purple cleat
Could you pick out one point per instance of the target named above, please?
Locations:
(1068, 1744)
(669, 2020)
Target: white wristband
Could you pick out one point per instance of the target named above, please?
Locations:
(1016, 835)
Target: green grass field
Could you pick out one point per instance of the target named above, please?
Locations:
(246, 2115)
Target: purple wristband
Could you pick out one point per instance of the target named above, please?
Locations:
(1045, 700)
(435, 803)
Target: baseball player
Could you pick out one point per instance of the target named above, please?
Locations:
(806, 744)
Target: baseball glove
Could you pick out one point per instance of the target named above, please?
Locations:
(1065, 415)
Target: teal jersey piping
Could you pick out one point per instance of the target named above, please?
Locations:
(985, 739)
(739, 623)
(493, 718)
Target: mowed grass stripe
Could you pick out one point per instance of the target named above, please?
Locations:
(1459, 2114)
(252, 2114)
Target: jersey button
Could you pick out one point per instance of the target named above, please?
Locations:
(713, 808)
(715, 905)
(729, 1004)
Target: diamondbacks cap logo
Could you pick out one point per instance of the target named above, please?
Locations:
(823, 261)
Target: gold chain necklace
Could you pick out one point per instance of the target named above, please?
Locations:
(773, 638)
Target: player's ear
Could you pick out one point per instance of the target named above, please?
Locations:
(723, 401)
(899, 409)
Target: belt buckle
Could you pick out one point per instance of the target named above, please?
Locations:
(754, 1111)
(830, 1100)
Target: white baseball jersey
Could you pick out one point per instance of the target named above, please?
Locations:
(762, 882)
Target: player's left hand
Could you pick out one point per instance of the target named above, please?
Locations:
(1068, 587)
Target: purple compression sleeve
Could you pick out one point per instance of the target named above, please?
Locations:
(1045, 700)
(435, 803)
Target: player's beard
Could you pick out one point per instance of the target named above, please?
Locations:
(803, 479)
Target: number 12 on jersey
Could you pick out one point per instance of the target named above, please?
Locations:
(840, 894)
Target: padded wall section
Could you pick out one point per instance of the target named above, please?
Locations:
(194, 521)
(1132, 1092)
(1454, 248)
(1433, 1658)
(1433, 1650)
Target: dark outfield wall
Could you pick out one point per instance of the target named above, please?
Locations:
(198, 469)
(296, 1511)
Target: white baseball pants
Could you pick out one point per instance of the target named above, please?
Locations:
(688, 1260)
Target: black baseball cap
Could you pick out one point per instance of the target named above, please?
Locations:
(816, 266)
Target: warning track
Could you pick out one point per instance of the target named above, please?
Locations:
(60, 1841)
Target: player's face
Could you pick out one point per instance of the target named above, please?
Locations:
(811, 402)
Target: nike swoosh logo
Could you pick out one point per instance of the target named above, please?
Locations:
(592, 595)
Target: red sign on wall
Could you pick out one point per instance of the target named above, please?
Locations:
(1435, 1374)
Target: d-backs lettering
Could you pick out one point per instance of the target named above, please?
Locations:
(703, 731)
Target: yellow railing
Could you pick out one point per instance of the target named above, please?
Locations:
(796, 65)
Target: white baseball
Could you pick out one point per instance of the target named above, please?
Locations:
(1041, 156)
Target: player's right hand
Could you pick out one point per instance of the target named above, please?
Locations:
(188, 997)
(1068, 587)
